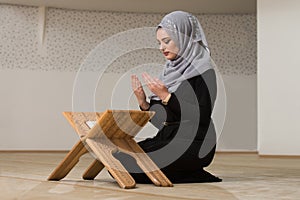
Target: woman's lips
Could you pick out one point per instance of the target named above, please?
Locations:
(166, 53)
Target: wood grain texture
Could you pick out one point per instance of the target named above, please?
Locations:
(69, 162)
(93, 170)
(114, 131)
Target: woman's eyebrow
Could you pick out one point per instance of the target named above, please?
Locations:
(165, 38)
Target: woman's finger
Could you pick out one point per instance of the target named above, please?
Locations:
(138, 82)
(149, 80)
(159, 82)
(133, 82)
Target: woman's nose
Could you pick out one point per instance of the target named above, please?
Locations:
(162, 47)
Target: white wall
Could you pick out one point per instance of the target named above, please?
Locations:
(240, 128)
(278, 77)
(31, 110)
(32, 104)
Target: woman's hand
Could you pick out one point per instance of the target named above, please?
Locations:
(156, 86)
(139, 92)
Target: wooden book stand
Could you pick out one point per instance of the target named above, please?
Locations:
(108, 135)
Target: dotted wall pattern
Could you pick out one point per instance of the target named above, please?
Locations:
(70, 35)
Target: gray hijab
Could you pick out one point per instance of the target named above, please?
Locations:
(193, 57)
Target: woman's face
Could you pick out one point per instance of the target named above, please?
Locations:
(166, 44)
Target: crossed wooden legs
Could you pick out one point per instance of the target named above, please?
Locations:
(108, 135)
(103, 151)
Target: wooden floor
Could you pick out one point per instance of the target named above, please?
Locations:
(245, 176)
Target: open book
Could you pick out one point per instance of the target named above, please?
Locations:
(91, 124)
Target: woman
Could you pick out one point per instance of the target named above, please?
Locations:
(183, 100)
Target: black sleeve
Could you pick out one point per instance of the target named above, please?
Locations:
(193, 97)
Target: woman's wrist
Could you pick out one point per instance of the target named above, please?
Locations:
(144, 105)
(166, 99)
(165, 96)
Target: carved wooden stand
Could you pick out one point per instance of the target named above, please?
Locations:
(113, 131)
